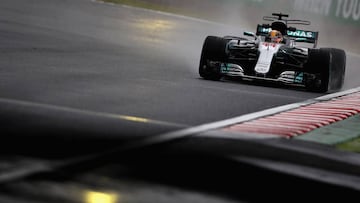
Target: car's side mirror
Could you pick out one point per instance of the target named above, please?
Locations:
(250, 34)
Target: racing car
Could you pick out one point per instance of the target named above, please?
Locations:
(278, 53)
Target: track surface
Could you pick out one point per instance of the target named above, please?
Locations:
(97, 57)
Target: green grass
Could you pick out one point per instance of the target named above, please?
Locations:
(353, 145)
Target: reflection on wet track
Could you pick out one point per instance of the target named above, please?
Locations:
(107, 58)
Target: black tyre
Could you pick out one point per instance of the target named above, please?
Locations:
(213, 50)
(325, 69)
(337, 70)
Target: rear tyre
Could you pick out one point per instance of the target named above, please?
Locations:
(325, 69)
(213, 50)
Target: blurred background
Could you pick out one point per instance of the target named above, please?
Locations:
(336, 20)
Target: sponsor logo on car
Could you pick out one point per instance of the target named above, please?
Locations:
(297, 33)
(301, 33)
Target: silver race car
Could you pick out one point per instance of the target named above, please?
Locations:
(277, 52)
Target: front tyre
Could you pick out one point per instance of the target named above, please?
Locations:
(213, 50)
(325, 69)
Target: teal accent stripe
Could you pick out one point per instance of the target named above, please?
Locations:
(335, 133)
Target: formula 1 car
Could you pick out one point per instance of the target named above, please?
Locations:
(277, 53)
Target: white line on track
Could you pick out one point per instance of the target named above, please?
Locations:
(224, 123)
(87, 112)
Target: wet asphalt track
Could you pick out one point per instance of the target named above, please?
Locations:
(113, 59)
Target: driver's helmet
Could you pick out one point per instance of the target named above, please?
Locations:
(275, 36)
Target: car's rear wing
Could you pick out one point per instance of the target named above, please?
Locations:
(298, 35)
